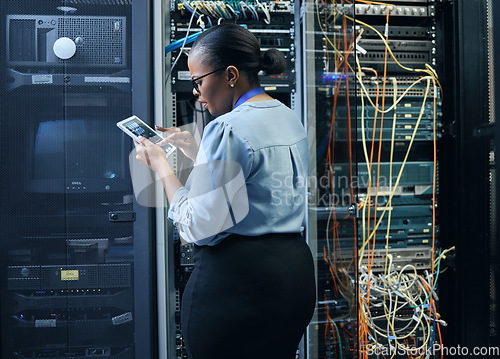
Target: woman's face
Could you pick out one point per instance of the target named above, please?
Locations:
(214, 93)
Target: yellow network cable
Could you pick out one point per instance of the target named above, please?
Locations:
(432, 76)
(365, 151)
(411, 298)
(394, 314)
(424, 344)
(404, 291)
(399, 99)
(387, 208)
(429, 70)
(404, 161)
(389, 203)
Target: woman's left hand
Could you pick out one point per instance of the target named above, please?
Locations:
(150, 154)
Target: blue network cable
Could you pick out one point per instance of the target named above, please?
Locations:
(178, 43)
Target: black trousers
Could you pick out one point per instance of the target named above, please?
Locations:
(249, 297)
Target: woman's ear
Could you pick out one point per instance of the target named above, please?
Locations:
(233, 75)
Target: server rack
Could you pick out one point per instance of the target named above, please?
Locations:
(77, 250)
(373, 114)
(273, 23)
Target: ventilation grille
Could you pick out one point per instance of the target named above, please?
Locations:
(99, 40)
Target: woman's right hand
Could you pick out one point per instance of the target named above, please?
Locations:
(180, 139)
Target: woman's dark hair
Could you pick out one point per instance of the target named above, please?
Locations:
(230, 44)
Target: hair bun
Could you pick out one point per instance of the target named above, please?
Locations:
(273, 62)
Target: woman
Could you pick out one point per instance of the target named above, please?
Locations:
(252, 292)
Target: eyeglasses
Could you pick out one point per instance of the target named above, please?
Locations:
(195, 83)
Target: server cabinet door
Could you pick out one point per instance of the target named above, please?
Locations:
(71, 252)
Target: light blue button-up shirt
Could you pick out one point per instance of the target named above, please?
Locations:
(249, 177)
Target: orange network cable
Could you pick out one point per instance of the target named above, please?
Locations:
(372, 257)
(326, 28)
(347, 52)
(406, 156)
(368, 194)
(440, 339)
(330, 157)
(384, 78)
(336, 87)
(329, 154)
(433, 309)
(368, 198)
(331, 146)
(363, 321)
(346, 71)
(414, 341)
(408, 354)
(434, 182)
(381, 129)
(331, 140)
(330, 161)
(439, 331)
(373, 2)
(368, 220)
(325, 258)
(329, 321)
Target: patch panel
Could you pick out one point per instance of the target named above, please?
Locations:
(398, 10)
(414, 173)
(378, 57)
(424, 46)
(373, 87)
(399, 32)
(417, 257)
(400, 134)
(372, 10)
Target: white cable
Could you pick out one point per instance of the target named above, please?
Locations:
(264, 9)
(243, 6)
(184, 43)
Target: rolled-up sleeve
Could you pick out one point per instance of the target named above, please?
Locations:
(215, 197)
(174, 212)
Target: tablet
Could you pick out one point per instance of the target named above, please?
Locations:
(135, 127)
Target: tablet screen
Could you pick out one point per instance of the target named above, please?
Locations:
(140, 129)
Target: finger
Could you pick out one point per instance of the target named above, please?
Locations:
(174, 136)
(165, 142)
(175, 139)
(144, 141)
(162, 129)
(146, 155)
(168, 129)
(138, 158)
